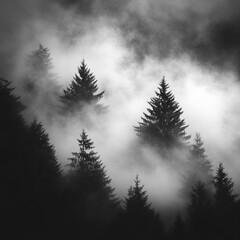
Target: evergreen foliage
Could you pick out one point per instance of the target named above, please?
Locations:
(200, 162)
(224, 195)
(141, 220)
(162, 125)
(200, 211)
(89, 186)
(82, 90)
(39, 70)
(30, 175)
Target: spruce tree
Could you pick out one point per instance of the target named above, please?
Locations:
(200, 201)
(89, 184)
(200, 211)
(44, 154)
(39, 84)
(82, 90)
(39, 70)
(200, 162)
(162, 125)
(224, 195)
(141, 220)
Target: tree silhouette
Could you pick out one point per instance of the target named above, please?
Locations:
(141, 220)
(39, 84)
(163, 125)
(226, 217)
(200, 162)
(39, 69)
(82, 90)
(224, 195)
(30, 174)
(200, 211)
(90, 189)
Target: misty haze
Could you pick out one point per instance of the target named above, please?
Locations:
(120, 119)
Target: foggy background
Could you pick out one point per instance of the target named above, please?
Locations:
(130, 46)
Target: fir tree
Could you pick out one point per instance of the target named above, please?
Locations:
(162, 125)
(82, 90)
(200, 162)
(200, 211)
(45, 159)
(200, 200)
(142, 221)
(39, 69)
(90, 185)
(39, 83)
(224, 195)
(137, 200)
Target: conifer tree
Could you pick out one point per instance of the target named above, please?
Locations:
(142, 221)
(162, 125)
(224, 195)
(200, 211)
(44, 154)
(39, 83)
(200, 162)
(39, 70)
(82, 90)
(90, 184)
(200, 200)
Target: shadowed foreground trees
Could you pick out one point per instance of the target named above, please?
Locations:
(140, 220)
(38, 202)
(90, 193)
(30, 174)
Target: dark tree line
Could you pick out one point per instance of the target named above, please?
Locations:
(39, 201)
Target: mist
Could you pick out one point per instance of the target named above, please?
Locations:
(130, 46)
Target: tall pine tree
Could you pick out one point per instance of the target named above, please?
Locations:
(39, 69)
(162, 125)
(200, 212)
(82, 90)
(200, 162)
(39, 83)
(141, 220)
(224, 195)
(89, 184)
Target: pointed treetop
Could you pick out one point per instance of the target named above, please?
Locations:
(162, 125)
(83, 88)
(224, 187)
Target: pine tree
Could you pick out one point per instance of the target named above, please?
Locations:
(163, 125)
(200, 200)
(39, 69)
(224, 195)
(44, 154)
(142, 221)
(200, 162)
(82, 90)
(137, 200)
(200, 211)
(29, 176)
(89, 184)
(39, 84)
